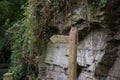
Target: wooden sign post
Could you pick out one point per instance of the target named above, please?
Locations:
(8, 76)
(72, 40)
(72, 54)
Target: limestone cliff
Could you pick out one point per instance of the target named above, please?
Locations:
(98, 51)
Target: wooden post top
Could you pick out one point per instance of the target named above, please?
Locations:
(8, 74)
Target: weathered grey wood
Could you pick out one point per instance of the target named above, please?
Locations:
(72, 54)
(60, 39)
(8, 76)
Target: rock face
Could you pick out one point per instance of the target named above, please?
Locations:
(89, 53)
(98, 51)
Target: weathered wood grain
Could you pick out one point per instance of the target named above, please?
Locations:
(72, 54)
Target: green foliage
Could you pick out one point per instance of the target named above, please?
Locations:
(10, 12)
(18, 67)
(97, 4)
(23, 44)
(30, 36)
(19, 72)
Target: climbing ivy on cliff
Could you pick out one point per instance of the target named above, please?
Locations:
(30, 36)
(27, 36)
(10, 12)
